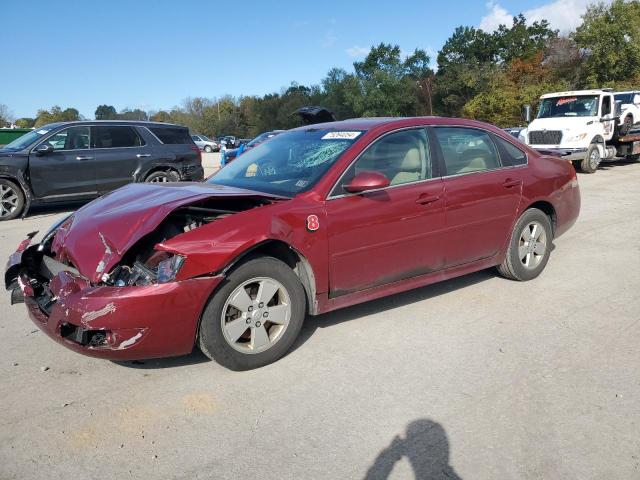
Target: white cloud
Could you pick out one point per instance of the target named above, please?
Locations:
(564, 15)
(358, 52)
(497, 16)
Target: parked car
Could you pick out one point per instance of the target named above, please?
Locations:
(205, 143)
(514, 131)
(318, 218)
(228, 141)
(630, 106)
(68, 161)
(231, 154)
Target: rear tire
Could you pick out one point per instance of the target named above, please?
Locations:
(529, 247)
(591, 160)
(242, 326)
(208, 149)
(11, 200)
(163, 176)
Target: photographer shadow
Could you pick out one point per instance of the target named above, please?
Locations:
(426, 447)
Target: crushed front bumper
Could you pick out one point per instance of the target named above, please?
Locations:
(117, 323)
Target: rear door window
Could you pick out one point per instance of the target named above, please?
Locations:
(509, 153)
(172, 136)
(112, 136)
(467, 150)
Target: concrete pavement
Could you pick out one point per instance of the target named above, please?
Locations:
(478, 377)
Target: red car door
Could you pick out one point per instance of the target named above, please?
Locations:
(383, 236)
(482, 196)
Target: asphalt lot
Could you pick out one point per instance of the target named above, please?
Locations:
(478, 377)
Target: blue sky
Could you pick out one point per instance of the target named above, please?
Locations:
(153, 54)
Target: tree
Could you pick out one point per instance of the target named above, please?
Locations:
(136, 114)
(56, 115)
(5, 116)
(25, 122)
(610, 36)
(522, 40)
(106, 112)
(466, 63)
(160, 116)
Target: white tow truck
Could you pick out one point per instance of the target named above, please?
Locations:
(583, 126)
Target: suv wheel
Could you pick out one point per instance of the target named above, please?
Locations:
(255, 317)
(163, 177)
(11, 200)
(529, 247)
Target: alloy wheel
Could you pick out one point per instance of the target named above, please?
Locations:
(532, 246)
(160, 179)
(9, 200)
(256, 315)
(594, 158)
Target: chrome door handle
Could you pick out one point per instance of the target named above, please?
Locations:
(84, 158)
(143, 155)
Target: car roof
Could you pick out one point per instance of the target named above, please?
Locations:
(143, 123)
(374, 122)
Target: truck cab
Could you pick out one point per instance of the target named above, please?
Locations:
(578, 124)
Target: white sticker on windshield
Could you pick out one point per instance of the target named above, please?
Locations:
(42, 132)
(341, 135)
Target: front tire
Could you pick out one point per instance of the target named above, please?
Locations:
(529, 247)
(255, 317)
(11, 200)
(591, 160)
(208, 149)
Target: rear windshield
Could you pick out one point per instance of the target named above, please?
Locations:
(172, 136)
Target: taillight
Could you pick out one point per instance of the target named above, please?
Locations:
(196, 149)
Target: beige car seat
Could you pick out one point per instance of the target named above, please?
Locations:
(411, 168)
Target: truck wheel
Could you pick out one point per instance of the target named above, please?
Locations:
(255, 317)
(626, 126)
(11, 200)
(529, 247)
(591, 160)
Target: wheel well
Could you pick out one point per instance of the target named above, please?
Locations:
(288, 255)
(597, 139)
(159, 169)
(548, 209)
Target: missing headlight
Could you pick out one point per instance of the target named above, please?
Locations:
(161, 267)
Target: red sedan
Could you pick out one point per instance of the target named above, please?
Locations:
(318, 218)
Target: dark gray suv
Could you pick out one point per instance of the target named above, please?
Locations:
(63, 162)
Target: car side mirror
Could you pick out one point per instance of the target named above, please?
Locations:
(365, 181)
(44, 149)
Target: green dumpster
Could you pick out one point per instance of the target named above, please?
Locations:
(8, 135)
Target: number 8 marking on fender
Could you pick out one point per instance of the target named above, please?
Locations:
(313, 223)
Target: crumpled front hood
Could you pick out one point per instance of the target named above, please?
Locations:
(102, 231)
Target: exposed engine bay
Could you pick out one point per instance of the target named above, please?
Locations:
(143, 265)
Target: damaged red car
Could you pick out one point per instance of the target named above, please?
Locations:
(318, 218)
